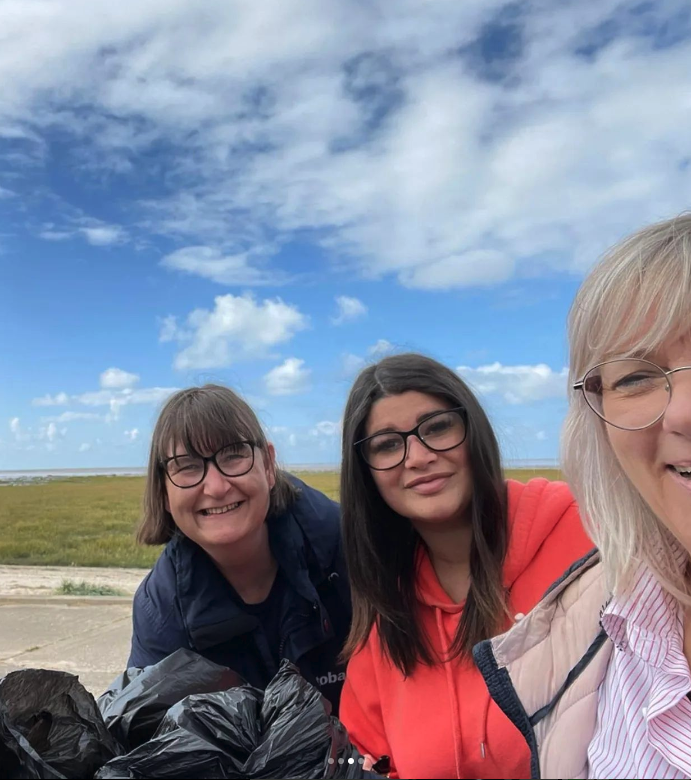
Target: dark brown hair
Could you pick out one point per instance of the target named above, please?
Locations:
(380, 545)
(202, 420)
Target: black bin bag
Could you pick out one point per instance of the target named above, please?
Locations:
(134, 705)
(285, 731)
(50, 728)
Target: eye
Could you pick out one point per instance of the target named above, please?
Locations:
(438, 425)
(382, 444)
(637, 380)
(178, 465)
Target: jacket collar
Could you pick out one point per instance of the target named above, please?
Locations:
(206, 596)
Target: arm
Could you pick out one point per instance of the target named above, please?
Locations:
(156, 632)
(360, 709)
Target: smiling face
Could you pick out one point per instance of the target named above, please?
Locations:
(223, 510)
(657, 459)
(427, 487)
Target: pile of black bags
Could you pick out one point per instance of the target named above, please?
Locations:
(184, 717)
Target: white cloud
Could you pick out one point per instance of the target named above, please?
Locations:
(516, 384)
(55, 235)
(541, 436)
(169, 329)
(117, 398)
(290, 378)
(117, 378)
(61, 399)
(348, 309)
(93, 231)
(103, 235)
(84, 447)
(376, 128)
(352, 364)
(5, 193)
(133, 434)
(212, 263)
(15, 428)
(238, 327)
(72, 416)
(478, 267)
(51, 431)
(326, 428)
(381, 348)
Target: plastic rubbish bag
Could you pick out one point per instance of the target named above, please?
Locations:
(285, 731)
(136, 701)
(50, 727)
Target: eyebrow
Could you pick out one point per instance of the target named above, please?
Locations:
(420, 418)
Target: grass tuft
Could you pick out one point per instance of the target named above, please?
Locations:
(71, 588)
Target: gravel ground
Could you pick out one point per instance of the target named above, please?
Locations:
(43, 580)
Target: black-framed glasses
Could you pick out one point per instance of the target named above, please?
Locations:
(232, 460)
(628, 393)
(439, 432)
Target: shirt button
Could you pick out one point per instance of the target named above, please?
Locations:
(518, 616)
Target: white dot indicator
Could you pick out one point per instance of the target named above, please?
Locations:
(331, 760)
(340, 760)
(351, 760)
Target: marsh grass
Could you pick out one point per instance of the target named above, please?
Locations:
(90, 521)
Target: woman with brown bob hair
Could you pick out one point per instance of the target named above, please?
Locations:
(442, 552)
(252, 570)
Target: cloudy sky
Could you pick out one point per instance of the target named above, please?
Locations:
(272, 193)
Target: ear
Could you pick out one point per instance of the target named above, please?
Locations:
(270, 464)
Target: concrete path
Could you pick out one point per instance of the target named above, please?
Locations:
(89, 637)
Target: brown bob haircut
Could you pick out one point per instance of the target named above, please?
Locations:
(202, 420)
(380, 545)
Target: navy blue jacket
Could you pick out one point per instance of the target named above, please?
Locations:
(186, 602)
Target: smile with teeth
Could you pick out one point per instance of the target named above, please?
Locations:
(219, 510)
(683, 471)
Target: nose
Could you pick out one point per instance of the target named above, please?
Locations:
(417, 454)
(677, 418)
(215, 483)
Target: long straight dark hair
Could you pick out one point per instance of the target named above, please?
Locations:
(380, 545)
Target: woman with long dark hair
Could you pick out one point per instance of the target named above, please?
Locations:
(442, 553)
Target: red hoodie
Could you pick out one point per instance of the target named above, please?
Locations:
(441, 722)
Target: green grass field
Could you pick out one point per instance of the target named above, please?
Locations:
(89, 521)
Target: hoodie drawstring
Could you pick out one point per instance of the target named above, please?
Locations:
(483, 738)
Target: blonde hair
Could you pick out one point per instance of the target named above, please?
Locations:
(635, 299)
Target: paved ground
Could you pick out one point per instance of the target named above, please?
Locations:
(88, 637)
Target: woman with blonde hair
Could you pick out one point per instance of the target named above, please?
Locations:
(597, 675)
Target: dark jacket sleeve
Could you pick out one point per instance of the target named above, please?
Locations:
(157, 626)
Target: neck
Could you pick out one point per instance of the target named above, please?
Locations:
(448, 545)
(249, 565)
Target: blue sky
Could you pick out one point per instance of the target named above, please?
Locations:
(272, 194)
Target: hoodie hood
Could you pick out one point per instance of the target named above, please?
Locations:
(534, 509)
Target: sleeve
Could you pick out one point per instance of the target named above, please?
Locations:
(360, 709)
(154, 635)
(568, 541)
(566, 544)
